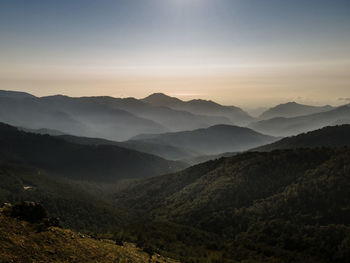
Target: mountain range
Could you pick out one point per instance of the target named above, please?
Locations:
(120, 119)
(105, 117)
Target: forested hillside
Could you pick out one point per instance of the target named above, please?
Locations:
(283, 206)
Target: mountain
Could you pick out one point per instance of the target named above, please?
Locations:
(203, 107)
(280, 206)
(296, 125)
(23, 241)
(292, 109)
(85, 162)
(332, 136)
(213, 140)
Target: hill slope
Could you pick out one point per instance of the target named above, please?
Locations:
(213, 140)
(293, 126)
(333, 136)
(292, 109)
(86, 162)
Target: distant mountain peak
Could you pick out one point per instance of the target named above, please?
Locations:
(293, 109)
(161, 99)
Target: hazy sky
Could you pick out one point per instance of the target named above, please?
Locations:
(248, 53)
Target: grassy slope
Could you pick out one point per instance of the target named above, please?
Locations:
(21, 242)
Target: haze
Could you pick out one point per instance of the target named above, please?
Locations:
(248, 53)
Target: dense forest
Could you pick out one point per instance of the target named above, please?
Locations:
(283, 206)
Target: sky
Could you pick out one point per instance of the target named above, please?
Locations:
(249, 53)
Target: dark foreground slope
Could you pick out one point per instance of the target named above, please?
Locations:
(86, 162)
(282, 206)
(21, 241)
(332, 136)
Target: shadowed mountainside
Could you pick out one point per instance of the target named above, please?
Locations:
(86, 162)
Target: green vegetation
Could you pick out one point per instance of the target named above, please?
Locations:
(283, 206)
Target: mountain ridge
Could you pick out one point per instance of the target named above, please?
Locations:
(282, 126)
(200, 106)
(292, 109)
(216, 139)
